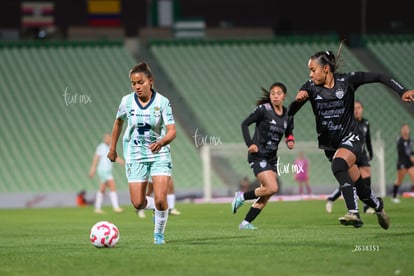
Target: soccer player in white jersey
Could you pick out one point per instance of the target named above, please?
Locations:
(150, 129)
(102, 166)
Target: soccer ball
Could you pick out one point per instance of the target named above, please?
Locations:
(104, 234)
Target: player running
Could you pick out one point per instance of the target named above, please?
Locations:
(272, 123)
(150, 130)
(331, 95)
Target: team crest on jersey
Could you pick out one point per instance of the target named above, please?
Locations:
(157, 112)
(339, 93)
(263, 164)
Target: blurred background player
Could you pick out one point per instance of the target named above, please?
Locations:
(271, 124)
(302, 174)
(170, 198)
(103, 167)
(363, 161)
(405, 162)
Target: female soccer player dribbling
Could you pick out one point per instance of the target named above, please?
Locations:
(150, 129)
(331, 95)
(272, 123)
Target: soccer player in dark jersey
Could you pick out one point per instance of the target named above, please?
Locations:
(405, 162)
(363, 161)
(331, 95)
(271, 124)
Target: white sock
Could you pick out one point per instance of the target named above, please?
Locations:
(150, 203)
(171, 201)
(160, 221)
(242, 196)
(113, 196)
(98, 200)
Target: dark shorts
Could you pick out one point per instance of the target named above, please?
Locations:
(259, 164)
(404, 165)
(352, 143)
(363, 160)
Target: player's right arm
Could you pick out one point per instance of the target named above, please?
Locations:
(301, 97)
(116, 132)
(254, 116)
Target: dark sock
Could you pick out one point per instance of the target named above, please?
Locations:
(335, 195)
(249, 195)
(395, 190)
(365, 193)
(340, 171)
(252, 214)
(367, 181)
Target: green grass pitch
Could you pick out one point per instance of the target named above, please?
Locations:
(294, 238)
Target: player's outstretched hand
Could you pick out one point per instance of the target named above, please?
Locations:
(408, 96)
(302, 96)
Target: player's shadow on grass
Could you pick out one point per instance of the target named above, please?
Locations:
(209, 240)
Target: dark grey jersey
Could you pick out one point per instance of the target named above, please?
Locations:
(334, 107)
(269, 130)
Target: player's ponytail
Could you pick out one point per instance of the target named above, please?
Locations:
(328, 58)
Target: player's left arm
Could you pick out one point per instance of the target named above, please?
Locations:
(290, 139)
(168, 138)
(370, 77)
(168, 119)
(92, 170)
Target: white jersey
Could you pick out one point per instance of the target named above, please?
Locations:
(146, 125)
(104, 164)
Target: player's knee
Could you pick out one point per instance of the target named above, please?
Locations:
(339, 165)
(161, 205)
(139, 204)
(272, 189)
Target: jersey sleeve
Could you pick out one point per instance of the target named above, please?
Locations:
(254, 116)
(295, 106)
(98, 150)
(289, 127)
(122, 110)
(167, 113)
(370, 77)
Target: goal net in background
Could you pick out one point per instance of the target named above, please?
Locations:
(228, 161)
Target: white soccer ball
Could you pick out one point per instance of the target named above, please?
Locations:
(104, 234)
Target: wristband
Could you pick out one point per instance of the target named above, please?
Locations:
(290, 138)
